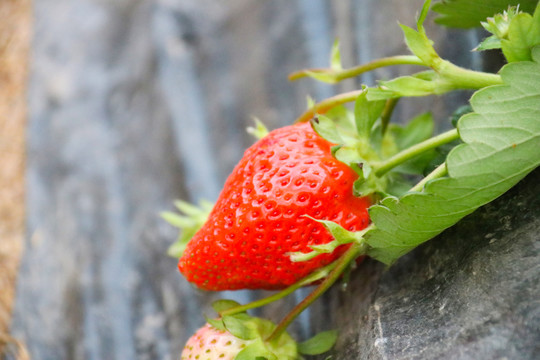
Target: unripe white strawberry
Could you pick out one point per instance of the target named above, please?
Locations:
(209, 343)
(239, 337)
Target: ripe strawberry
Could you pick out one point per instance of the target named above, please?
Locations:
(258, 219)
(210, 343)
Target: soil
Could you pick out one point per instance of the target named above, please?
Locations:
(15, 26)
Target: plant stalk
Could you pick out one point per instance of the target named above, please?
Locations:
(329, 103)
(338, 75)
(467, 79)
(407, 154)
(439, 172)
(352, 253)
(267, 300)
(387, 113)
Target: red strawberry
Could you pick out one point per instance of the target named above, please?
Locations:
(258, 219)
(210, 343)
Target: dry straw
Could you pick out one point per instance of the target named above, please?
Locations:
(15, 23)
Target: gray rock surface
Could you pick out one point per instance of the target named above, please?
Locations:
(471, 293)
(135, 103)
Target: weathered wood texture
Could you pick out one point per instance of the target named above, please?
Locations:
(15, 20)
(134, 103)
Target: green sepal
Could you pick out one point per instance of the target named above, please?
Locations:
(366, 113)
(326, 128)
(341, 236)
(498, 24)
(221, 305)
(259, 130)
(255, 331)
(216, 323)
(335, 57)
(366, 183)
(241, 328)
(256, 351)
(189, 224)
(318, 344)
(310, 103)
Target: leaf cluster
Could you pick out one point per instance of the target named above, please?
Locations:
(501, 145)
(258, 331)
(514, 32)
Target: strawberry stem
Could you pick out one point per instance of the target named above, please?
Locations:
(387, 113)
(335, 76)
(314, 276)
(407, 154)
(329, 103)
(440, 171)
(356, 249)
(462, 78)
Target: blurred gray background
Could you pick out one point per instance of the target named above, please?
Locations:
(136, 103)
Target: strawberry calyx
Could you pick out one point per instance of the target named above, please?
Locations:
(189, 221)
(364, 141)
(341, 237)
(244, 337)
(498, 26)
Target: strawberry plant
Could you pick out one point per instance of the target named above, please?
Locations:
(308, 199)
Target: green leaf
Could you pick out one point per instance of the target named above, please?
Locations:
(523, 35)
(221, 305)
(458, 113)
(410, 86)
(501, 145)
(397, 185)
(320, 343)
(380, 93)
(489, 43)
(366, 113)
(421, 46)
(469, 13)
(417, 130)
(335, 57)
